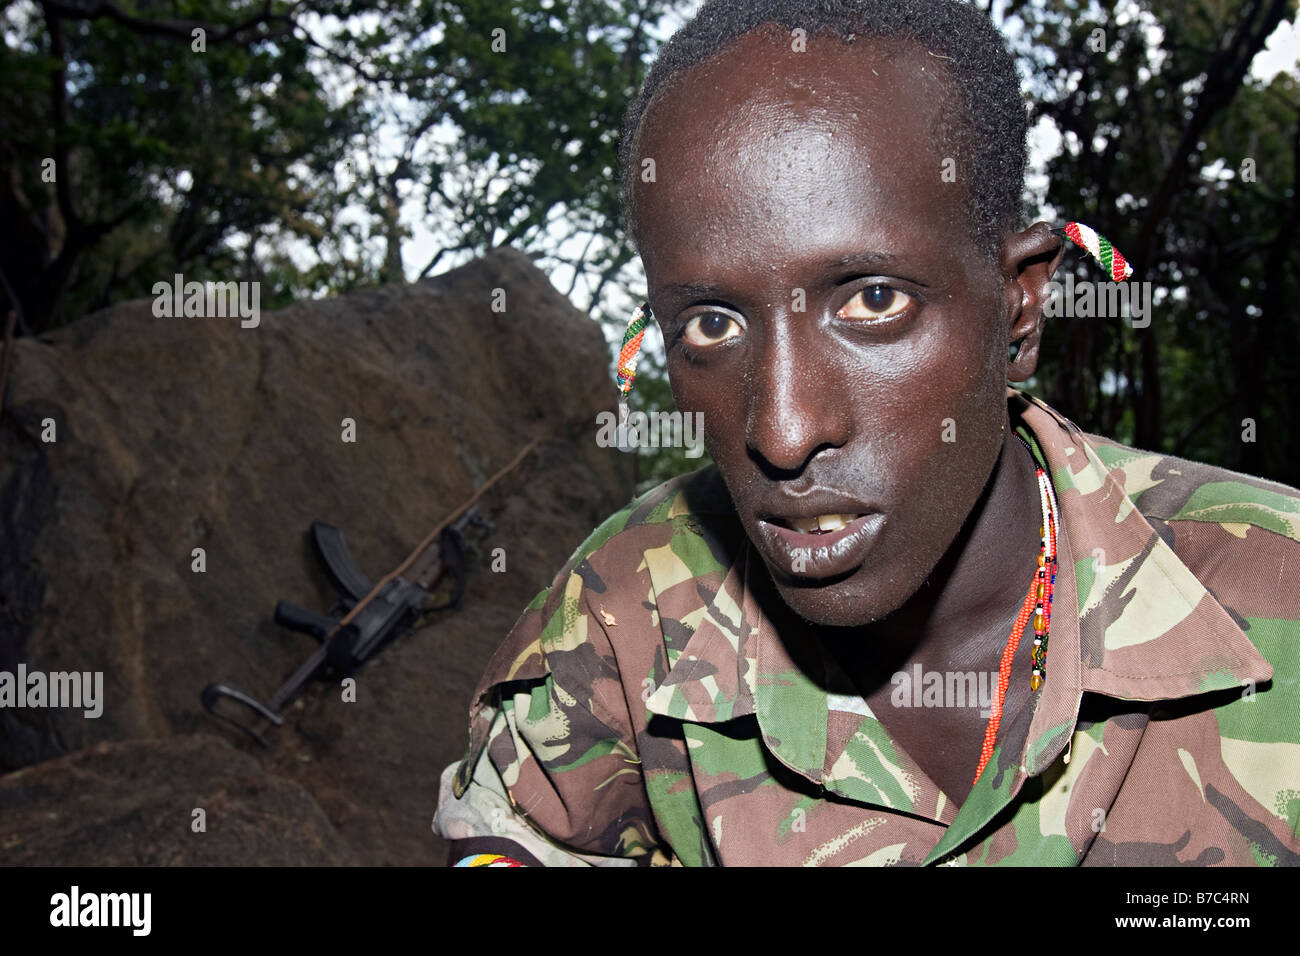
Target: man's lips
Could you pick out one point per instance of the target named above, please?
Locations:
(818, 536)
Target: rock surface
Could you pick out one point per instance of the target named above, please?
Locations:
(180, 433)
(133, 803)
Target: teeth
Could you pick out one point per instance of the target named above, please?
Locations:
(834, 522)
(822, 523)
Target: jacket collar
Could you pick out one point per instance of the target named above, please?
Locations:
(1146, 628)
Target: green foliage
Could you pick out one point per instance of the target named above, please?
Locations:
(183, 158)
(290, 149)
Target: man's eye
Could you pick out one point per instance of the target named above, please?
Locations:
(875, 303)
(710, 328)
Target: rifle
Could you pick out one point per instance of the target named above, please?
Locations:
(375, 615)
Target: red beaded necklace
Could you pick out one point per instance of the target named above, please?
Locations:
(1038, 602)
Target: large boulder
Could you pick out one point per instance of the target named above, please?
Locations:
(172, 434)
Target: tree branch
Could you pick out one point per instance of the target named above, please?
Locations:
(59, 114)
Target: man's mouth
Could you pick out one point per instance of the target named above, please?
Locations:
(820, 546)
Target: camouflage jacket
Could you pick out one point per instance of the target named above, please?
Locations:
(643, 709)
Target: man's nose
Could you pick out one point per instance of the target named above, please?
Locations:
(795, 403)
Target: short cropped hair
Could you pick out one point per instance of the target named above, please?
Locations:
(967, 42)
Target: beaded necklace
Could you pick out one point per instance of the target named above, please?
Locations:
(1038, 602)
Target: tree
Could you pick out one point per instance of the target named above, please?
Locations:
(234, 141)
(1157, 129)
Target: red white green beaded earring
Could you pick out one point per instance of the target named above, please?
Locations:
(1099, 247)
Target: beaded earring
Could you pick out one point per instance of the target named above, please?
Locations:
(1099, 247)
(628, 354)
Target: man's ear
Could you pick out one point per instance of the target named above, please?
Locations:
(1029, 260)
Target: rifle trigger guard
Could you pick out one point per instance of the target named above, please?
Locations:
(214, 692)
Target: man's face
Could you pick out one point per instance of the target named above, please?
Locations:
(825, 308)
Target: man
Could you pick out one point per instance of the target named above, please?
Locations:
(820, 651)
